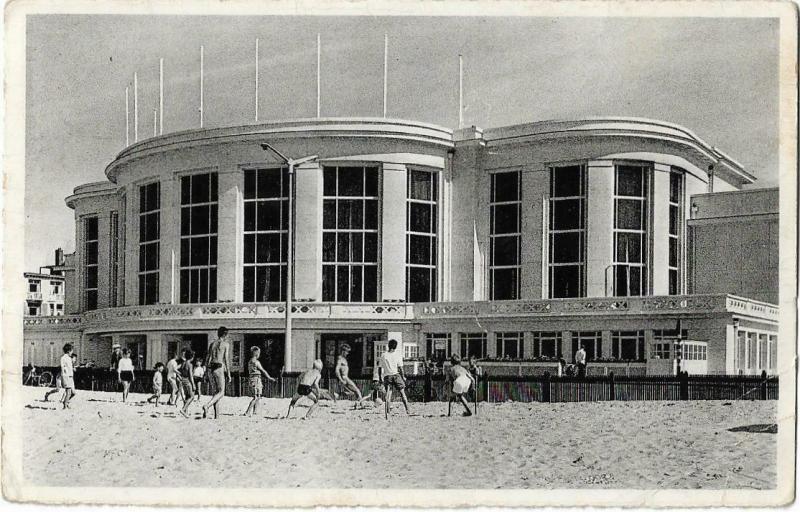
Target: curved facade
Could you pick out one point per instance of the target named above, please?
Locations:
(394, 219)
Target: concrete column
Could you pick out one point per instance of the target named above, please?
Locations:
(566, 346)
(444, 232)
(491, 344)
(103, 259)
(527, 345)
(648, 343)
(606, 347)
(230, 237)
(600, 224)
(393, 233)
(154, 350)
(303, 351)
(455, 343)
(535, 194)
(170, 244)
(659, 279)
(308, 237)
(730, 349)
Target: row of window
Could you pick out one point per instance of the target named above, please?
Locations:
(56, 287)
(351, 235)
(755, 351)
(625, 345)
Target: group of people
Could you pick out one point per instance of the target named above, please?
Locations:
(185, 374)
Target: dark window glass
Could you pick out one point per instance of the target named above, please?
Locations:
(91, 228)
(565, 281)
(342, 283)
(250, 216)
(504, 251)
(329, 247)
(328, 283)
(351, 181)
(357, 247)
(420, 185)
(370, 283)
(419, 284)
(329, 214)
(629, 214)
(630, 180)
(371, 247)
(673, 252)
(629, 247)
(566, 181)
(201, 189)
(420, 218)
(419, 250)
(329, 181)
(371, 182)
(673, 282)
(268, 216)
(269, 183)
(505, 186)
(673, 220)
(506, 218)
(250, 183)
(355, 284)
(91, 277)
(504, 284)
(91, 253)
(675, 187)
(566, 247)
(343, 247)
(371, 214)
(91, 299)
(566, 214)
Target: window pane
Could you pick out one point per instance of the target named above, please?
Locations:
(675, 187)
(371, 247)
(268, 248)
(506, 186)
(566, 181)
(357, 247)
(629, 214)
(505, 250)
(419, 284)
(419, 250)
(355, 284)
(566, 214)
(199, 220)
(370, 283)
(351, 181)
(186, 190)
(343, 248)
(249, 284)
(249, 183)
(268, 215)
(329, 247)
(371, 180)
(673, 282)
(506, 218)
(504, 284)
(420, 186)
(342, 284)
(328, 283)
(371, 214)
(566, 247)
(420, 217)
(629, 247)
(565, 281)
(91, 277)
(200, 188)
(329, 181)
(673, 252)
(269, 183)
(329, 214)
(628, 349)
(630, 180)
(673, 220)
(91, 253)
(91, 228)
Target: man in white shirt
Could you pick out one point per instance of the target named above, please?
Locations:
(392, 368)
(67, 374)
(580, 361)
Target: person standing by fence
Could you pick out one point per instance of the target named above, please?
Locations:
(219, 363)
(580, 360)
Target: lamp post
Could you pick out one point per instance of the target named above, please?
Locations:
(291, 162)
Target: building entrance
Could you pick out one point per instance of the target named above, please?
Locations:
(361, 358)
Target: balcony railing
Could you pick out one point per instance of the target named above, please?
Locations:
(34, 295)
(48, 321)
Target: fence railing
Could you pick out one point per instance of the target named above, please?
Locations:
(491, 388)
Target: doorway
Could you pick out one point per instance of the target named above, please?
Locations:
(271, 345)
(361, 358)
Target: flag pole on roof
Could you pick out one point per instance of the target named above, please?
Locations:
(256, 99)
(460, 91)
(135, 108)
(201, 86)
(385, 69)
(319, 53)
(127, 119)
(160, 96)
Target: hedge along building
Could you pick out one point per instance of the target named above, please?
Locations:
(519, 242)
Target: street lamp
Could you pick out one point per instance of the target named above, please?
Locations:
(291, 162)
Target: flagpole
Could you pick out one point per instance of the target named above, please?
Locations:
(385, 69)
(460, 91)
(155, 122)
(256, 80)
(127, 119)
(135, 108)
(319, 51)
(161, 96)
(201, 86)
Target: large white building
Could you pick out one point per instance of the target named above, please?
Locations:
(518, 242)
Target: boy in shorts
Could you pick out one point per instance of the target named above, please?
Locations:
(67, 370)
(158, 381)
(308, 385)
(254, 371)
(186, 380)
(461, 381)
(392, 369)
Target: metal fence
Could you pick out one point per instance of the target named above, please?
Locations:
(500, 388)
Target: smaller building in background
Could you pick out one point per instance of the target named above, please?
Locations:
(45, 290)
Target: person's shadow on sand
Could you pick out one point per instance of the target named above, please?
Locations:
(759, 428)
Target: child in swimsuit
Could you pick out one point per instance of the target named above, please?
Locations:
(254, 371)
(187, 380)
(461, 381)
(308, 386)
(343, 375)
(158, 380)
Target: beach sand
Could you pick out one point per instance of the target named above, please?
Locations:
(641, 445)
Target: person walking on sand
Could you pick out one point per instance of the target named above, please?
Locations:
(198, 373)
(187, 381)
(218, 363)
(461, 380)
(158, 380)
(59, 385)
(125, 372)
(254, 372)
(342, 372)
(172, 380)
(580, 361)
(308, 386)
(392, 369)
(67, 374)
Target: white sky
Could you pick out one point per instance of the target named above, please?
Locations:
(717, 77)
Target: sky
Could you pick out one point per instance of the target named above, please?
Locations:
(716, 76)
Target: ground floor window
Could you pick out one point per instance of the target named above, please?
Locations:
(627, 345)
(592, 342)
(410, 351)
(509, 345)
(694, 352)
(472, 344)
(773, 352)
(661, 351)
(437, 346)
(546, 344)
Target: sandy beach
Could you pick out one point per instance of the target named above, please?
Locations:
(509, 445)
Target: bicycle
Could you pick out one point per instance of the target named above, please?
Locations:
(43, 380)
